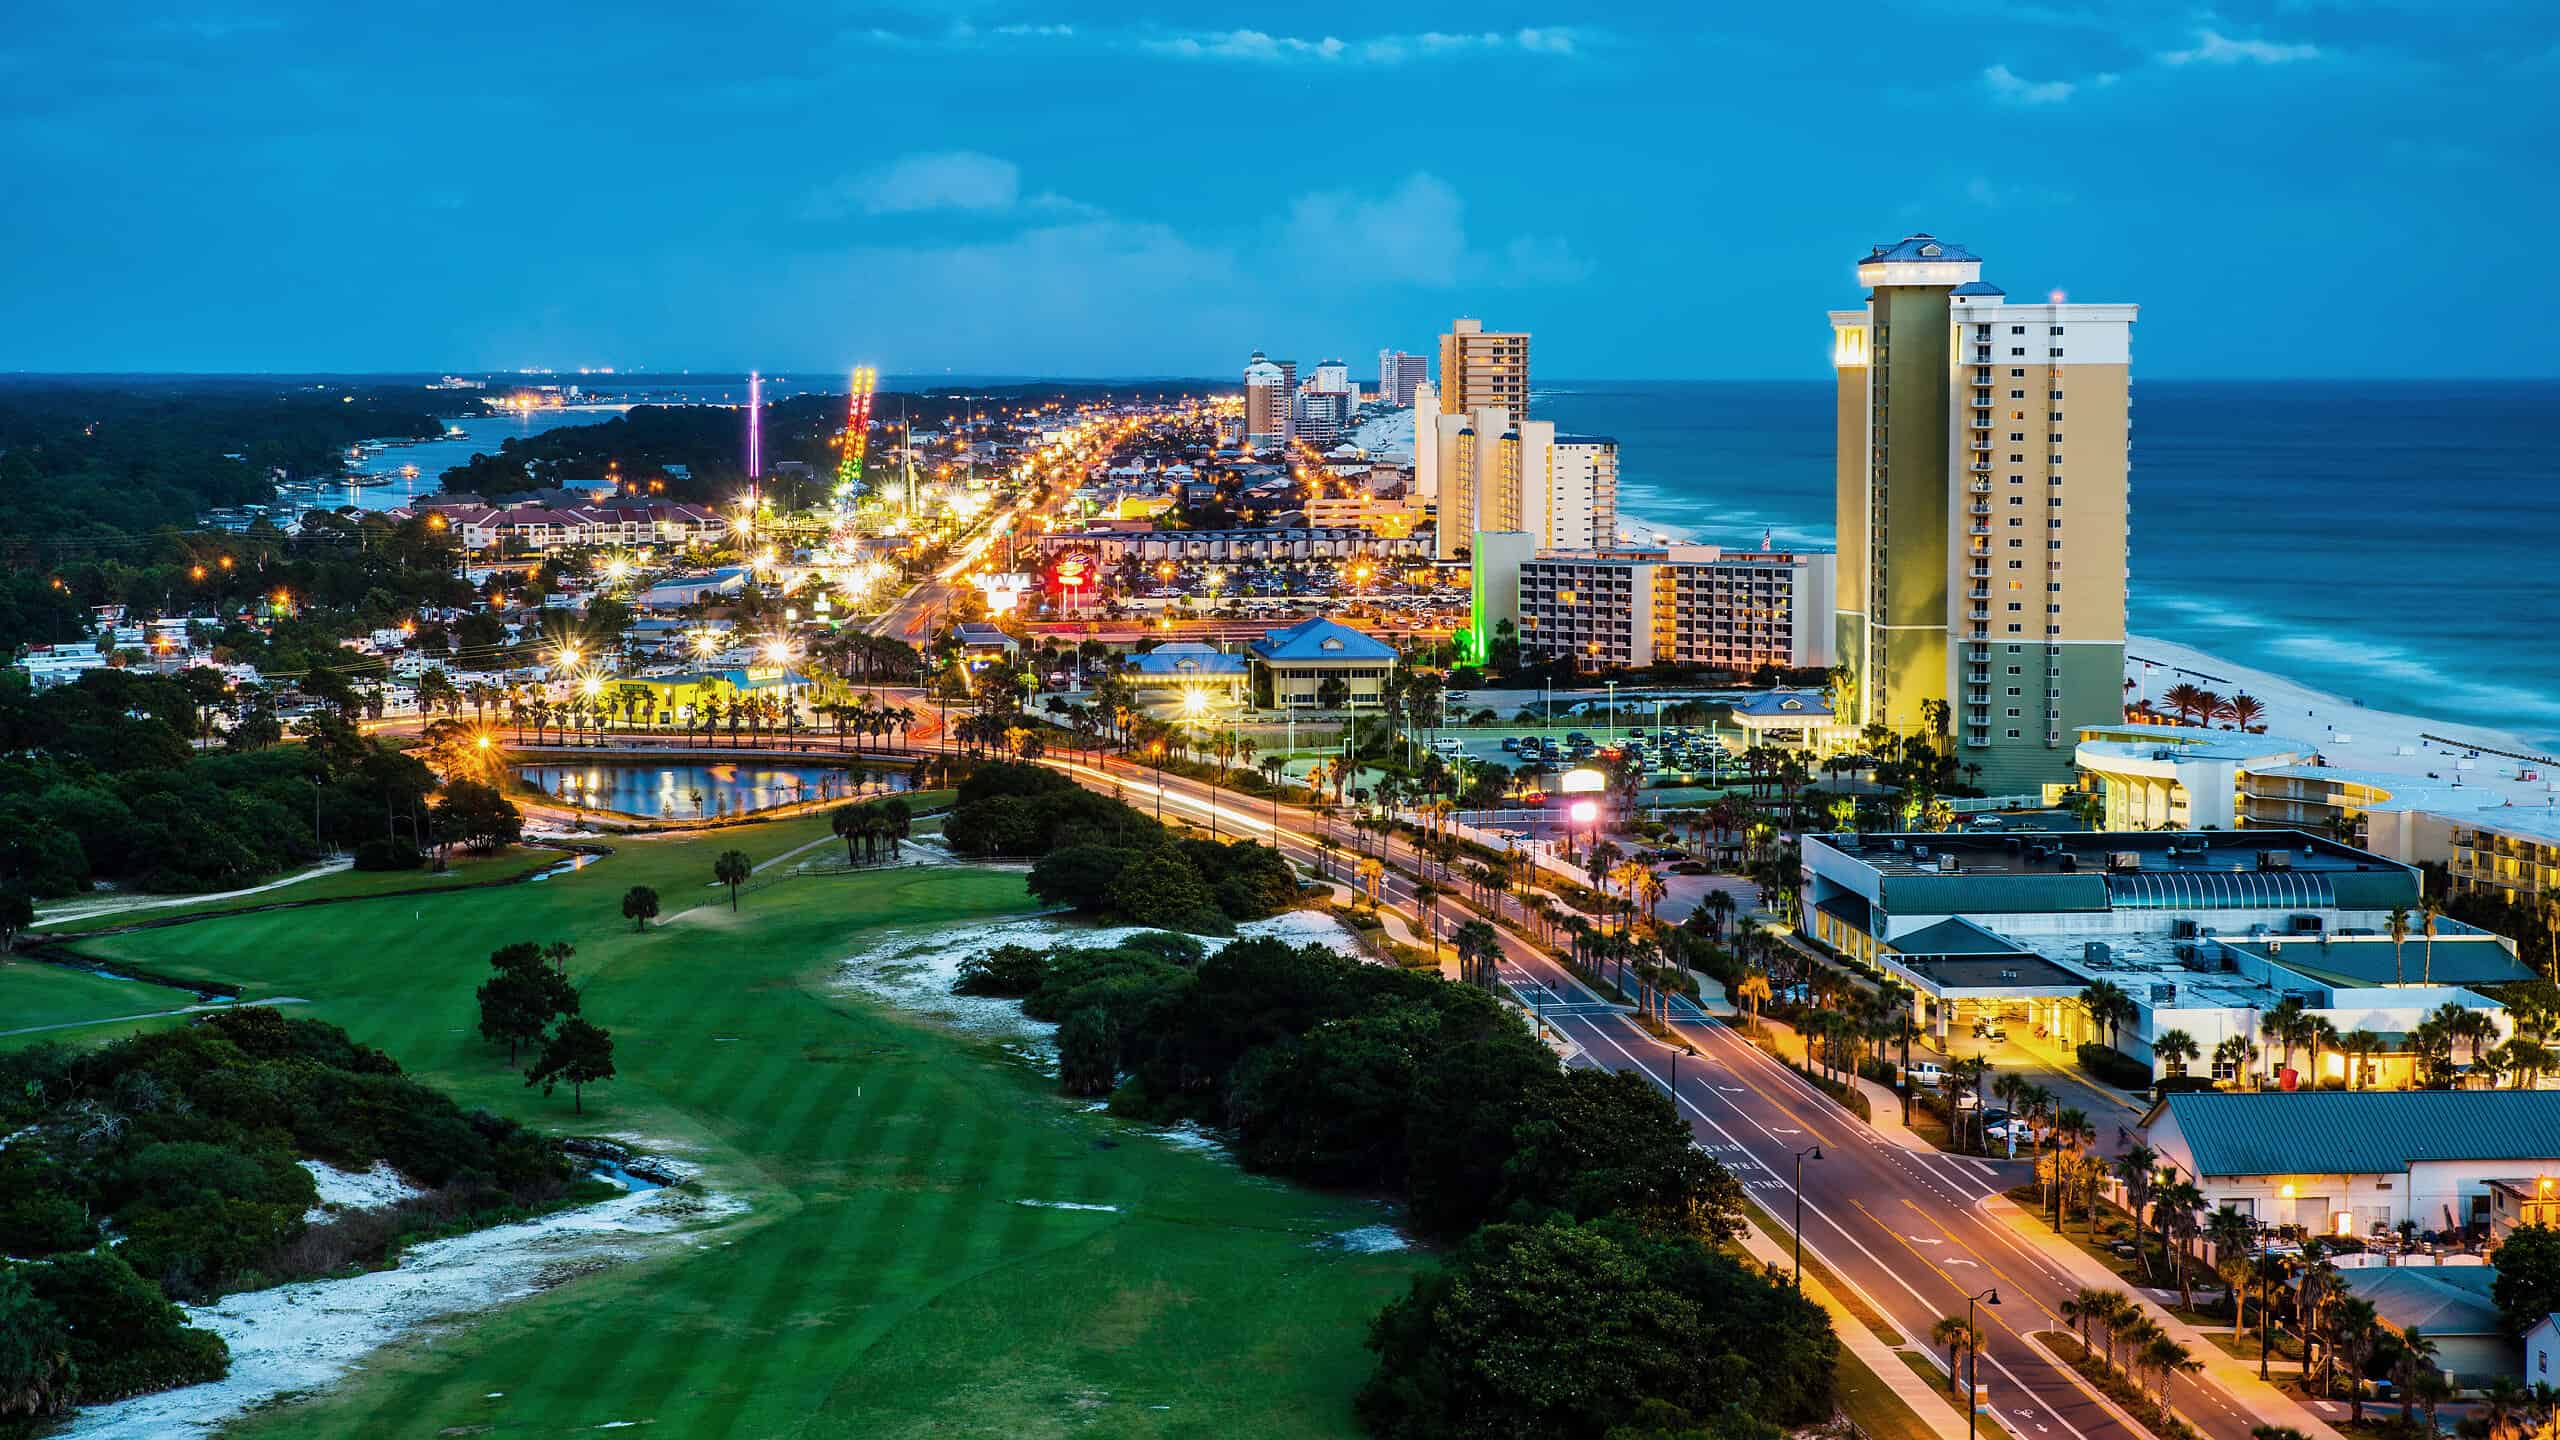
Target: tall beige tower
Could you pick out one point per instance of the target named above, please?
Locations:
(1483, 370)
(1983, 483)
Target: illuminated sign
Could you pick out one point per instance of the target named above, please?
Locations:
(1585, 781)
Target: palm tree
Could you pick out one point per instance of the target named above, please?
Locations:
(2175, 1048)
(1479, 947)
(2167, 1359)
(732, 869)
(1751, 992)
(2243, 710)
(2109, 1005)
(2178, 1202)
(2358, 1044)
(2398, 929)
(2415, 1361)
(2283, 1024)
(2429, 907)
(2139, 1167)
(2090, 1307)
(1962, 1338)
(2236, 1052)
(2318, 1033)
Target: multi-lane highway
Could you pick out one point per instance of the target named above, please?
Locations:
(1910, 1233)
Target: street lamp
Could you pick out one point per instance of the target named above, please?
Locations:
(1814, 1153)
(1973, 1358)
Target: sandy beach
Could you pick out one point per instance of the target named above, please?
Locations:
(2349, 735)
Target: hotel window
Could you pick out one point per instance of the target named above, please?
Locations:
(2013, 689)
(2013, 734)
(2017, 437)
(2013, 712)
(2017, 329)
(2017, 374)
(2056, 330)
(2057, 394)
(2055, 352)
(2017, 395)
(2017, 350)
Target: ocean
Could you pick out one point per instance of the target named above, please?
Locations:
(2391, 542)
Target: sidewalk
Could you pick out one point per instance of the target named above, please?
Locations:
(1885, 1362)
(1882, 1102)
(2259, 1401)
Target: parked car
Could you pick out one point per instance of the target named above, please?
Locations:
(1927, 1072)
(1511, 743)
(1690, 867)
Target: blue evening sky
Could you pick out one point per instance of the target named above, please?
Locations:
(2305, 187)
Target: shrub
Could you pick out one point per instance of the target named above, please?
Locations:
(1011, 971)
(2114, 1067)
(389, 854)
(129, 1338)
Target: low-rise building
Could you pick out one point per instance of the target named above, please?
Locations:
(1226, 546)
(1187, 665)
(2203, 932)
(1291, 667)
(2356, 1162)
(563, 527)
(1792, 720)
(51, 665)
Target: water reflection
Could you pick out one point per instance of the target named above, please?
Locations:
(705, 791)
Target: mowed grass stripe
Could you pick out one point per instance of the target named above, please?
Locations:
(886, 1284)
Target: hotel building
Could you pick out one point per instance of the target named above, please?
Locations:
(1982, 480)
(1683, 605)
(1482, 369)
(1490, 472)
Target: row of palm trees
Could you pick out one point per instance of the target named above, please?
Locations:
(2123, 1337)
(871, 826)
(2449, 1035)
(2195, 705)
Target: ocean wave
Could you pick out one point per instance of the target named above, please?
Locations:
(2350, 665)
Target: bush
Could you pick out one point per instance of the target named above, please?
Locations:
(1009, 971)
(127, 1337)
(1576, 1329)
(2115, 1067)
(389, 854)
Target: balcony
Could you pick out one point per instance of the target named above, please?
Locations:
(1978, 592)
(1980, 467)
(1981, 507)
(1979, 487)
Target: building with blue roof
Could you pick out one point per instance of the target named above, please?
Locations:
(1292, 668)
(2357, 1162)
(1189, 665)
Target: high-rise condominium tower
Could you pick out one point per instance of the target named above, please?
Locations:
(1268, 420)
(1399, 373)
(1983, 465)
(1482, 370)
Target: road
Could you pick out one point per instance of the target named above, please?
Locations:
(1908, 1232)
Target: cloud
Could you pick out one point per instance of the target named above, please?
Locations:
(2007, 84)
(2214, 48)
(1414, 234)
(1262, 47)
(1037, 32)
(940, 181)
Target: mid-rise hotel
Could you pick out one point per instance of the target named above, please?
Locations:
(1983, 466)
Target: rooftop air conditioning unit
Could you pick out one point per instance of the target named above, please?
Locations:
(1946, 864)
(2164, 996)
(2069, 864)
(2124, 859)
(2275, 859)
(2183, 928)
(2098, 954)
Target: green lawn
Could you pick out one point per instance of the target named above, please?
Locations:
(886, 1282)
(463, 870)
(34, 994)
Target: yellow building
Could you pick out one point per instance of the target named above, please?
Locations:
(678, 700)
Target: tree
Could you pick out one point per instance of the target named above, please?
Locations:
(579, 1053)
(1089, 1052)
(37, 1379)
(519, 1002)
(1479, 948)
(2528, 1283)
(732, 869)
(2175, 1049)
(1962, 1338)
(2354, 1330)
(2109, 1005)
(1570, 1329)
(2397, 927)
(476, 817)
(17, 913)
(639, 906)
(850, 823)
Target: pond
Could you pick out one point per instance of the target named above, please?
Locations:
(708, 790)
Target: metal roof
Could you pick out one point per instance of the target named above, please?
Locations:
(2427, 1298)
(1954, 937)
(1921, 247)
(2362, 1132)
(1316, 638)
